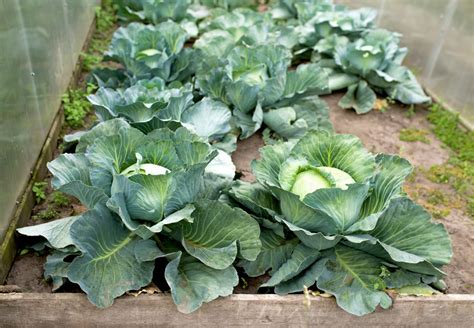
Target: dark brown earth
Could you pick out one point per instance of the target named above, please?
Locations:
(380, 133)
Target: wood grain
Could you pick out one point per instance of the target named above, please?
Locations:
(74, 310)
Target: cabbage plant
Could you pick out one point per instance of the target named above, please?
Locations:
(229, 4)
(255, 80)
(148, 197)
(365, 60)
(222, 31)
(322, 18)
(370, 64)
(150, 104)
(148, 51)
(182, 12)
(334, 215)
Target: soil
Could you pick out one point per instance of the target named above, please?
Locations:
(379, 131)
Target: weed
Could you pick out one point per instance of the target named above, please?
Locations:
(383, 105)
(412, 177)
(90, 61)
(438, 203)
(47, 215)
(411, 111)
(24, 251)
(76, 106)
(437, 197)
(269, 138)
(39, 190)
(412, 135)
(470, 207)
(105, 16)
(59, 199)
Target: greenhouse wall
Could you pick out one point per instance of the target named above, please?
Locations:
(40, 42)
(439, 36)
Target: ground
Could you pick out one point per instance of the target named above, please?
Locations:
(380, 132)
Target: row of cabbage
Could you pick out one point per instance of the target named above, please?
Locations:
(156, 175)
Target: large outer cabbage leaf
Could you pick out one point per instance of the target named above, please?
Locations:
(108, 266)
(193, 283)
(354, 239)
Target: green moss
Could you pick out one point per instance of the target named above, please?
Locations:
(446, 128)
(459, 170)
(412, 135)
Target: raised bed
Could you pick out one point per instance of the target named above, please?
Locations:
(73, 310)
(379, 132)
(455, 308)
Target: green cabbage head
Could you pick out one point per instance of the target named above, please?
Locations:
(148, 196)
(334, 215)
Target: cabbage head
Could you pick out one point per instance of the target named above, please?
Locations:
(148, 197)
(334, 215)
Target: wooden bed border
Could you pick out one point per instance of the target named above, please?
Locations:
(239, 310)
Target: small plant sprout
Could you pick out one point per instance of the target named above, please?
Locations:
(39, 191)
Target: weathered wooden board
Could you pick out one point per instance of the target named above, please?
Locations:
(241, 310)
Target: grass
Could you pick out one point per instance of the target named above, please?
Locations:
(412, 135)
(459, 170)
(446, 129)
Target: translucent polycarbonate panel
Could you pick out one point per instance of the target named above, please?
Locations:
(40, 41)
(440, 37)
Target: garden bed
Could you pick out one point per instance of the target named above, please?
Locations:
(379, 131)
(392, 128)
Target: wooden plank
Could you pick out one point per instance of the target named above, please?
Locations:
(241, 310)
